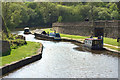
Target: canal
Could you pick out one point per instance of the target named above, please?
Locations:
(68, 60)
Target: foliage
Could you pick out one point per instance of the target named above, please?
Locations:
(60, 19)
(115, 14)
(14, 44)
(15, 41)
(45, 13)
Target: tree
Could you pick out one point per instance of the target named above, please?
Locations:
(60, 19)
(24, 15)
(118, 6)
(112, 6)
(32, 17)
(115, 15)
(31, 5)
(104, 15)
(44, 13)
(49, 12)
(6, 12)
(15, 19)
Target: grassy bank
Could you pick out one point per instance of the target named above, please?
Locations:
(111, 47)
(110, 41)
(20, 53)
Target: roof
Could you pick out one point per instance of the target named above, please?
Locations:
(26, 28)
(39, 31)
(92, 39)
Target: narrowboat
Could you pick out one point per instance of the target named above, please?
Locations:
(94, 44)
(56, 36)
(27, 31)
(43, 35)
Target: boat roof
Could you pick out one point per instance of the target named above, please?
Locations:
(57, 33)
(52, 33)
(92, 39)
(39, 31)
(26, 28)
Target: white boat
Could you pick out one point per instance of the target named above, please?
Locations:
(93, 43)
(27, 30)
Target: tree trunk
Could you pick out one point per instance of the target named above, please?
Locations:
(4, 28)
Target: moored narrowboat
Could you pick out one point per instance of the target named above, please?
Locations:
(27, 30)
(94, 44)
(39, 34)
(56, 36)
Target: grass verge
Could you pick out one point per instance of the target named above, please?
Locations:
(20, 53)
(111, 47)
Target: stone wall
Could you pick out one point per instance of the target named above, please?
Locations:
(5, 46)
(87, 28)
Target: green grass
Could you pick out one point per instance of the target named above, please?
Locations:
(73, 36)
(110, 41)
(111, 47)
(20, 53)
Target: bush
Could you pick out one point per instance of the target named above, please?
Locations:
(16, 43)
(16, 40)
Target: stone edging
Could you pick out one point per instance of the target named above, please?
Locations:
(70, 40)
(15, 65)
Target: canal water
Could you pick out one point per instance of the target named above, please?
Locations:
(68, 60)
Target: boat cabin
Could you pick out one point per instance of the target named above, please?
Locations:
(26, 30)
(93, 43)
(40, 34)
(55, 35)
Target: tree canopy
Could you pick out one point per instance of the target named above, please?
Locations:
(17, 14)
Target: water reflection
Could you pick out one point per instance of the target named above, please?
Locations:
(62, 60)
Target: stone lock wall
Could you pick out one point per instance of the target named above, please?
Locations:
(86, 28)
